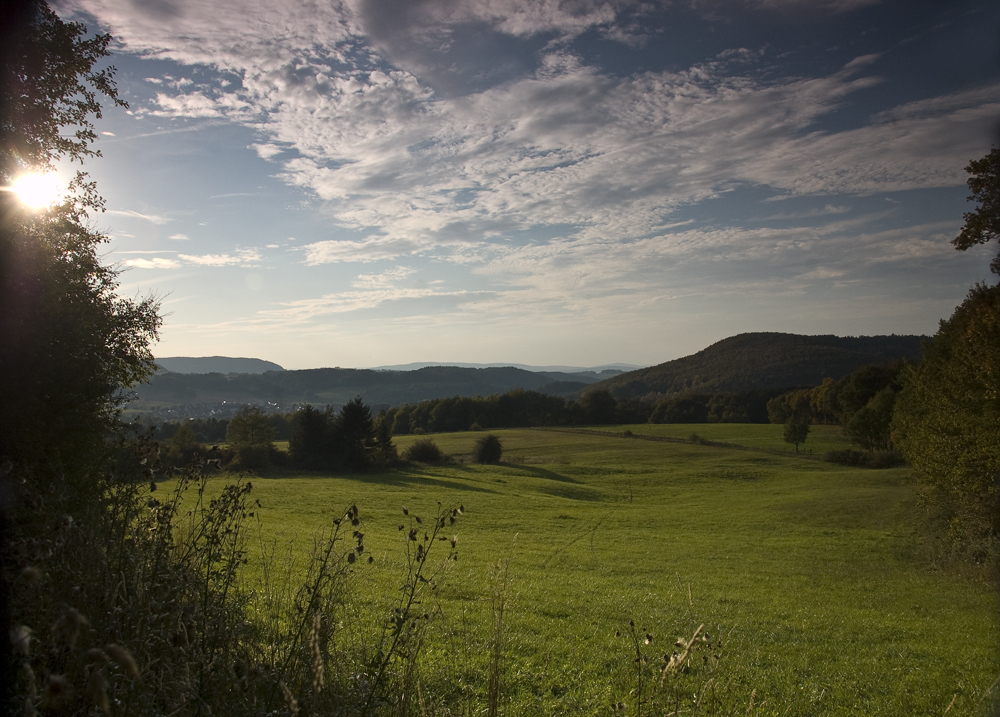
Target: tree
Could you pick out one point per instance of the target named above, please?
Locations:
(488, 449)
(983, 224)
(251, 436)
(355, 434)
(947, 413)
(183, 444)
(869, 427)
(794, 404)
(946, 417)
(310, 443)
(681, 409)
(823, 402)
(599, 406)
(70, 347)
(385, 451)
(796, 430)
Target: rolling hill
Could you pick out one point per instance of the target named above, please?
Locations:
(216, 364)
(338, 385)
(753, 361)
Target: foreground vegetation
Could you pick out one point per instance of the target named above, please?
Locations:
(809, 575)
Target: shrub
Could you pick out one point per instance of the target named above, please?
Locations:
(851, 457)
(423, 450)
(488, 449)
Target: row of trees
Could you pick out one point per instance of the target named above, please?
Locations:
(525, 409)
(345, 440)
(861, 402)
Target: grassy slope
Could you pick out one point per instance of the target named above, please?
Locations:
(807, 571)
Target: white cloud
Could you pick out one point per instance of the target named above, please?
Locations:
(266, 151)
(154, 218)
(197, 104)
(154, 263)
(561, 145)
(244, 257)
(385, 279)
(332, 251)
(349, 301)
(179, 237)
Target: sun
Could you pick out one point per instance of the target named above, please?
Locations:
(37, 190)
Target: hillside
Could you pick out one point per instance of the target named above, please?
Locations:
(285, 389)
(764, 360)
(216, 364)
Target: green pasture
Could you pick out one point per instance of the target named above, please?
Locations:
(809, 574)
(751, 435)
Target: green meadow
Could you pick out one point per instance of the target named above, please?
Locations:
(809, 578)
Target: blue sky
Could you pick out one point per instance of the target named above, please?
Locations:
(370, 182)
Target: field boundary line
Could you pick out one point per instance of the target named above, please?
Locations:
(671, 439)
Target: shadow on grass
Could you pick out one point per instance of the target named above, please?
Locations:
(577, 490)
(402, 477)
(410, 477)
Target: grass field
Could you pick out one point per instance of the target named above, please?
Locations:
(809, 574)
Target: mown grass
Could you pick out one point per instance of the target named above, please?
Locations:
(752, 435)
(810, 574)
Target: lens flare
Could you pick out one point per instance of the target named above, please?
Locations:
(38, 190)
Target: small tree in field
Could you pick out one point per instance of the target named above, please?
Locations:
(423, 450)
(488, 449)
(796, 430)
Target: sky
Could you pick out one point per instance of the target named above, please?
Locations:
(358, 183)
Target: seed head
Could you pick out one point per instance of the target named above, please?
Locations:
(66, 629)
(123, 657)
(20, 638)
(30, 576)
(96, 690)
(58, 691)
(96, 655)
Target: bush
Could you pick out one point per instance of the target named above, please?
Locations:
(488, 449)
(423, 450)
(877, 459)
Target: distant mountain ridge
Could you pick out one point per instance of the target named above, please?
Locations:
(336, 386)
(611, 367)
(740, 363)
(216, 364)
(764, 360)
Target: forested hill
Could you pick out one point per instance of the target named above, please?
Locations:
(764, 360)
(216, 364)
(336, 386)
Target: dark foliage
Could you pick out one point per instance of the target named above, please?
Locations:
(796, 430)
(423, 450)
(354, 435)
(946, 419)
(864, 459)
(488, 449)
(983, 224)
(598, 406)
(310, 445)
(744, 407)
